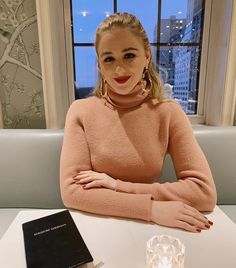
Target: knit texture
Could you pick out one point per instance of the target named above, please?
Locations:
(130, 145)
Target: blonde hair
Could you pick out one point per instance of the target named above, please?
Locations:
(129, 21)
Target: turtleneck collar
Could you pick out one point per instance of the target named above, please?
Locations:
(133, 99)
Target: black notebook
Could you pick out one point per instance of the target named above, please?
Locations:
(54, 241)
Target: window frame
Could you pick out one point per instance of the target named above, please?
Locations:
(1, 118)
(55, 64)
(158, 45)
(219, 105)
(209, 110)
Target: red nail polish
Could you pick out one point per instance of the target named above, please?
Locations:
(210, 222)
(198, 230)
(207, 226)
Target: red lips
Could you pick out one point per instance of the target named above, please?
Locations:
(122, 79)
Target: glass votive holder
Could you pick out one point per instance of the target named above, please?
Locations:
(165, 251)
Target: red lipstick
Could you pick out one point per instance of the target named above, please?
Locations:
(122, 79)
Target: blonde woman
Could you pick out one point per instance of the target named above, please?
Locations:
(115, 142)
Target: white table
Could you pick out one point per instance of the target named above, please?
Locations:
(121, 243)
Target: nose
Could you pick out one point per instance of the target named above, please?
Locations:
(119, 70)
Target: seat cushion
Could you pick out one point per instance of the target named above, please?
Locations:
(29, 168)
(230, 211)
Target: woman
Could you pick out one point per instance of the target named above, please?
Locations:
(115, 142)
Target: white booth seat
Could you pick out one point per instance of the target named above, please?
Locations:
(29, 169)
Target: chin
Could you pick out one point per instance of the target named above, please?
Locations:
(124, 89)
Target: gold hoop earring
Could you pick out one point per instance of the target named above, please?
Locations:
(143, 86)
(103, 88)
(147, 77)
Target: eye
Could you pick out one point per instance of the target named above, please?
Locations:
(108, 59)
(129, 56)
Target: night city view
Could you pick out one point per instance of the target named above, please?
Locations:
(174, 30)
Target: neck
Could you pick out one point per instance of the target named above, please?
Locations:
(123, 101)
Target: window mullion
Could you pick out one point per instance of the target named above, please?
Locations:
(158, 35)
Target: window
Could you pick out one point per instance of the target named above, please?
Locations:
(174, 29)
(216, 90)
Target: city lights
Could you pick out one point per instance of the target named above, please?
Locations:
(84, 13)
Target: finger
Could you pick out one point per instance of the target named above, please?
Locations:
(93, 184)
(87, 172)
(79, 173)
(195, 222)
(188, 227)
(210, 222)
(198, 216)
(85, 181)
(79, 177)
(195, 213)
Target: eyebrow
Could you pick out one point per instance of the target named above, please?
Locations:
(124, 50)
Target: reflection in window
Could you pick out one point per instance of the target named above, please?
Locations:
(174, 29)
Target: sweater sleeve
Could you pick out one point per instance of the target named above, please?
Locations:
(194, 185)
(75, 157)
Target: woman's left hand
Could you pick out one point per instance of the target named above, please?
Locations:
(91, 179)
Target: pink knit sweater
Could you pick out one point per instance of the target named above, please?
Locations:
(130, 145)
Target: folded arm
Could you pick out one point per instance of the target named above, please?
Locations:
(75, 157)
(136, 200)
(194, 185)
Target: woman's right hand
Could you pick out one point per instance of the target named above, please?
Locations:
(177, 214)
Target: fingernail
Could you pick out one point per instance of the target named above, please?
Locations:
(198, 230)
(210, 222)
(207, 226)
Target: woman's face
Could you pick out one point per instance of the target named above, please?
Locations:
(122, 58)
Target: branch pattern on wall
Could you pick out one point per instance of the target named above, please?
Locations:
(21, 91)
